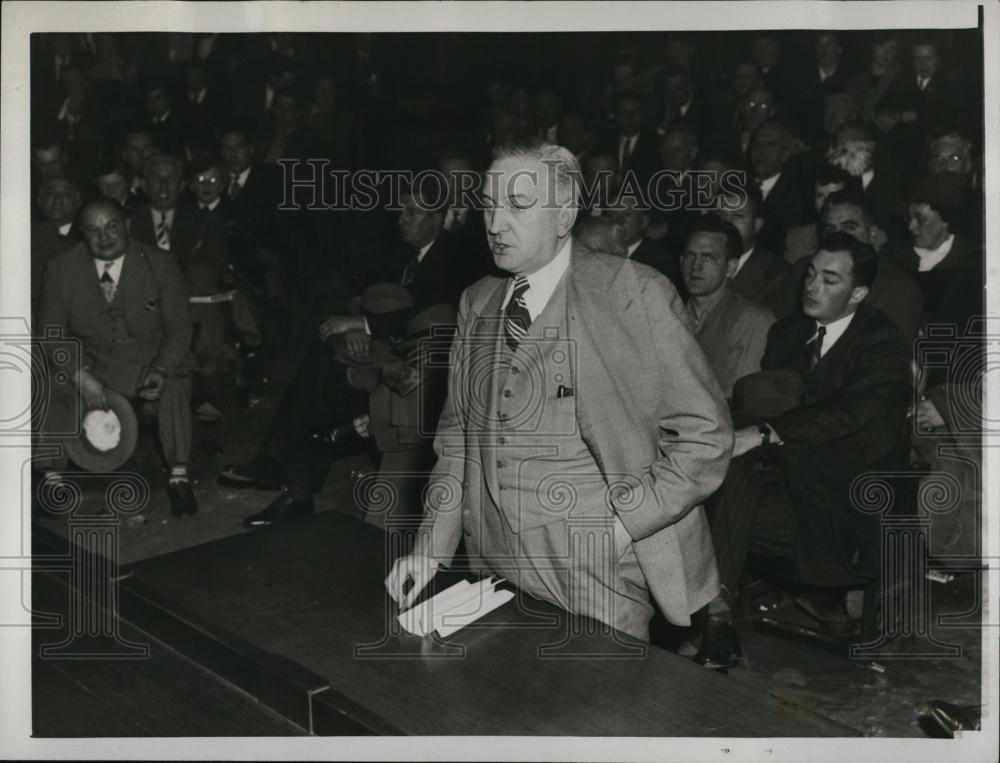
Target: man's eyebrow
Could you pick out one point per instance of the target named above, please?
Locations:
(828, 272)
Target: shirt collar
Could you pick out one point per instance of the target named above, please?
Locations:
(705, 306)
(866, 179)
(743, 259)
(931, 257)
(242, 177)
(768, 184)
(211, 207)
(157, 212)
(834, 331)
(424, 249)
(65, 228)
(115, 271)
(543, 282)
(632, 247)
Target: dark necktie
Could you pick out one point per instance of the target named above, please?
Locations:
(516, 317)
(108, 283)
(234, 186)
(815, 347)
(410, 271)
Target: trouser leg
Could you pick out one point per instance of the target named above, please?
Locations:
(174, 420)
(734, 506)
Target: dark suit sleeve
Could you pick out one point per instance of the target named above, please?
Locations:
(53, 313)
(175, 315)
(879, 372)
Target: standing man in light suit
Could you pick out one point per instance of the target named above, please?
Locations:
(583, 426)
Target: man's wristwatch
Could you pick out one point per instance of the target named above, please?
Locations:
(765, 434)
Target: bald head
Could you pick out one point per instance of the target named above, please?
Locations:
(104, 229)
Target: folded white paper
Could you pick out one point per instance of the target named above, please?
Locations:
(454, 608)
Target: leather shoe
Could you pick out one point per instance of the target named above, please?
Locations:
(256, 474)
(829, 610)
(339, 441)
(182, 500)
(287, 505)
(720, 645)
(954, 718)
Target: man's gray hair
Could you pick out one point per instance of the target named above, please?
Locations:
(558, 158)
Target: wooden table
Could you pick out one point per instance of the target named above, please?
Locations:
(308, 597)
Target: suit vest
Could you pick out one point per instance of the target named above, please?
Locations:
(544, 470)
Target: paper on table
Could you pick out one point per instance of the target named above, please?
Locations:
(454, 608)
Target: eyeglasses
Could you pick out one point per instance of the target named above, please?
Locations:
(208, 179)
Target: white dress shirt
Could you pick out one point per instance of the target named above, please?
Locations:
(64, 229)
(767, 185)
(834, 331)
(631, 249)
(210, 207)
(931, 257)
(866, 179)
(543, 282)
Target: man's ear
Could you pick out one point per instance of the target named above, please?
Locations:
(858, 294)
(567, 217)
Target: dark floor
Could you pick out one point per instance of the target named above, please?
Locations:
(881, 697)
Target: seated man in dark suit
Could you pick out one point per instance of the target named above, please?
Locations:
(59, 201)
(127, 305)
(322, 414)
(253, 192)
(731, 330)
(855, 386)
(137, 149)
(198, 244)
(635, 150)
(779, 181)
(761, 275)
(631, 223)
(801, 240)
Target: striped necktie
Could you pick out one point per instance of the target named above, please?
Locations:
(108, 284)
(163, 232)
(517, 318)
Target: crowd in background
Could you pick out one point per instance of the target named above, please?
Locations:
(873, 134)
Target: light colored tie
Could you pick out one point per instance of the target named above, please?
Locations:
(163, 232)
(108, 284)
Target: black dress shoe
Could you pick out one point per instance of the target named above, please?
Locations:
(954, 718)
(720, 645)
(339, 441)
(253, 475)
(182, 500)
(287, 505)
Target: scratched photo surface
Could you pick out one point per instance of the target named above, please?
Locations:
(550, 381)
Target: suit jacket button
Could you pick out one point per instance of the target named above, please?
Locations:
(507, 393)
(500, 464)
(502, 440)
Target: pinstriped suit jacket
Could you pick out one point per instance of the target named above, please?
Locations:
(648, 407)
